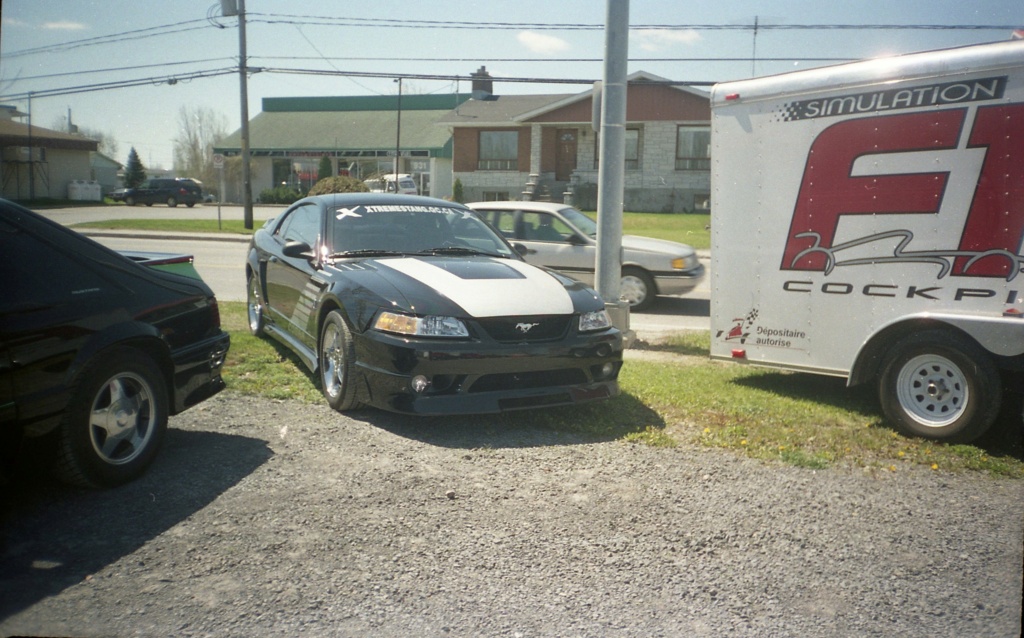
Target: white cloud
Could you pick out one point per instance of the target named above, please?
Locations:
(540, 43)
(64, 25)
(658, 39)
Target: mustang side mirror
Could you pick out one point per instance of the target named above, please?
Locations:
(295, 248)
(522, 249)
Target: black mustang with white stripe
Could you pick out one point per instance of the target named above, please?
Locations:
(416, 305)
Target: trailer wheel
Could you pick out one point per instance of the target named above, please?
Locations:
(939, 385)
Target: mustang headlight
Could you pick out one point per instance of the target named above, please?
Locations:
(596, 320)
(430, 326)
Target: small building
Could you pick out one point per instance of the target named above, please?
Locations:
(360, 135)
(510, 147)
(40, 163)
(105, 171)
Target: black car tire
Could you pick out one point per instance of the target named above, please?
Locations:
(637, 288)
(190, 204)
(115, 421)
(129, 200)
(939, 385)
(337, 358)
(255, 307)
(172, 202)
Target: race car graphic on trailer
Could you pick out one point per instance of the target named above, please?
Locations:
(416, 305)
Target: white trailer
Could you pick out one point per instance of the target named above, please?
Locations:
(868, 223)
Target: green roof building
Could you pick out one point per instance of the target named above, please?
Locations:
(360, 134)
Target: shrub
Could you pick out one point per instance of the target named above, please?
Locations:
(457, 192)
(338, 184)
(279, 195)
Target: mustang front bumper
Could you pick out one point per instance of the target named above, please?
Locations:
(438, 376)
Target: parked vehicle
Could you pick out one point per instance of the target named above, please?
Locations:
(97, 349)
(868, 224)
(403, 184)
(415, 305)
(170, 191)
(560, 237)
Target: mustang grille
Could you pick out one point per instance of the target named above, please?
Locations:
(526, 329)
(527, 380)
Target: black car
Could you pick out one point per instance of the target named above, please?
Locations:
(416, 305)
(97, 349)
(171, 191)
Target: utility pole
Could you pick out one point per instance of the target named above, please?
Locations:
(398, 134)
(612, 167)
(243, 83)
(31, 161)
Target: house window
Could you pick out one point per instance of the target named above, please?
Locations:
(632, 149)
(693, 148)
(495, 196)
(499, 151)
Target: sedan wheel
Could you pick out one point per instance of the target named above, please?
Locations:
(115, 421)
(337, 356)
(637, 289)
(172, 202)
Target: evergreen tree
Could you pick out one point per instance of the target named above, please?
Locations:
(134, 171)
(325, 169)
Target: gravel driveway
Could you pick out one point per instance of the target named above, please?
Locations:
(265, 518)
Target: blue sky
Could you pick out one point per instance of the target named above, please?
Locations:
(522, 39)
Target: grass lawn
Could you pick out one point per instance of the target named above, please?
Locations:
(689, 229)
(680, 397)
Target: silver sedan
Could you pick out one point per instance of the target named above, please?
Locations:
(564, 239)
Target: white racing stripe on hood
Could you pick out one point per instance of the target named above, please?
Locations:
(535, 293)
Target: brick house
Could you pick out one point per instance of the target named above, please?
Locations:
(544, 147)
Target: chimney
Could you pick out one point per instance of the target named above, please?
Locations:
(483, 86)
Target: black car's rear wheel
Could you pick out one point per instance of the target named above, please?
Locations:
(337, 357)
(115, 420)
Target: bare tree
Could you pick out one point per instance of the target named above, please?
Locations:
(199, 128)
(107, 143)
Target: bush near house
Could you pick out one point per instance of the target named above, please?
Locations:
(279, 195)
(339, 184)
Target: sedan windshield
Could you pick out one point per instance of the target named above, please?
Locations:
(581, 221)
(405, 229)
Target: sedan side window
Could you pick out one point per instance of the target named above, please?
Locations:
(544, 227)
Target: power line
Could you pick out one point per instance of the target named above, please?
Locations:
(279, 18)
(120, 84)
(273, 18)
(123, 68)
(136, 34)
(491, 60)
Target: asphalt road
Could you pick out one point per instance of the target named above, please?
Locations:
(220, 261)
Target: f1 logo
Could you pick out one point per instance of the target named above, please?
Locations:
(992, 237)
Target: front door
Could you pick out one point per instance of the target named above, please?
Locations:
(565, 158)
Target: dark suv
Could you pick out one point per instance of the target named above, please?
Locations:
(170, 191)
